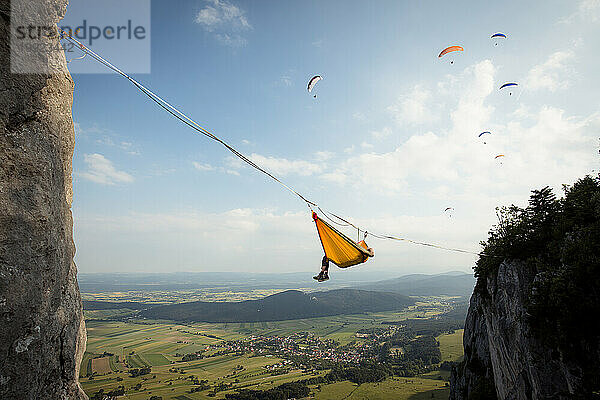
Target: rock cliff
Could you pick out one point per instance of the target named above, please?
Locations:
(532, 330)
(504, 358)
(42, 332)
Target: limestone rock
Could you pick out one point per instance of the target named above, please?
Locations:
(503, 357)
(42, 332)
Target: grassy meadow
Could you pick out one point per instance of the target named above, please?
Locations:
(113, 347)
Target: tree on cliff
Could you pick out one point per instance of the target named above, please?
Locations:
(560, 240)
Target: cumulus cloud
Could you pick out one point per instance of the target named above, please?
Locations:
(542, 146)
(430, 156)
(412, 109)
(202, 166)
(358, 116)
(225, 21)
(318, 43)
(587, 10)
(350, 150)
(324, 155)
(552, 73)
(105, 137)
(81, 130)
(382, 133)
(280, 166)
(366, 145)
(188, 239)
(231, 40)
(285, 80)
(101, 170)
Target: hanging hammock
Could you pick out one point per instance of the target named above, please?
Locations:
(339, 248)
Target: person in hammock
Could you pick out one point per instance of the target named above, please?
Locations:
(339, 249)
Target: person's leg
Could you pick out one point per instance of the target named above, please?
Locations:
(324, 269)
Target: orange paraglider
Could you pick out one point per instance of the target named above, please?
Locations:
(450, 50)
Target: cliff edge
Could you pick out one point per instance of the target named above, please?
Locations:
(42, 332)
(530, 331)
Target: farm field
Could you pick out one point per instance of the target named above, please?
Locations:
(390, 389)
(178, 296)
(451, 346)
(114, 347)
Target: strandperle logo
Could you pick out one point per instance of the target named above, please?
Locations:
(118, 29)
(85, 33)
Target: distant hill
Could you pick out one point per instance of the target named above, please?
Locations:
(122, 282)
(449, 284)
(290, 304)
(93, 305)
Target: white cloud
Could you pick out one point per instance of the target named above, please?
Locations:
(225, 21)
(366, 145)
(101, 170)
(318, 43)
(551, 74)
(337, 176)
(81, 130)
(193, 240)
(349, 150)
(105, 140)
(587, 10)
(280, 166)
(231, 40)
(128, 147)
(381, 134)
(472, 113)
(286, 80)
(359, 116)
(324, 155)
(542, 146)
(202, 166)
(412, 109)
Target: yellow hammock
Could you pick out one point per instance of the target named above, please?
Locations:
(339, 248)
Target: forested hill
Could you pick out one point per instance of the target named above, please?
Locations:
(291, 304)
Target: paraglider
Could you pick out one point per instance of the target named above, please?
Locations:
(311, 84)
(497, 36)
(449, 211)
(509, 84)
(498, 156)
(483, 133)
(450, 50)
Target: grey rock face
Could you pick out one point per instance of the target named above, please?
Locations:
(501, 353)
(475, 375)
(42, 332)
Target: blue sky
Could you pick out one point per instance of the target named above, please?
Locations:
(390, 141)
